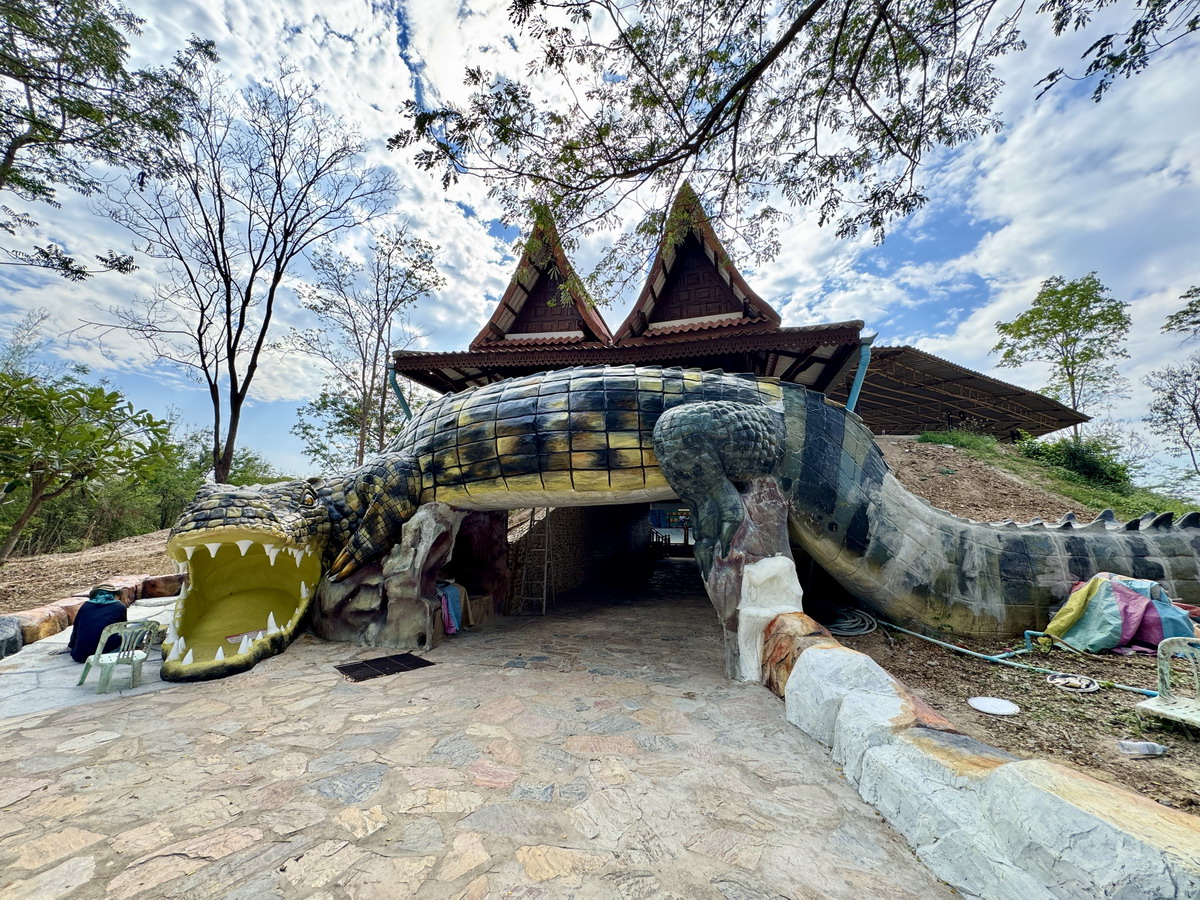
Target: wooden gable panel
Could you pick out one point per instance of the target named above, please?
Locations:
(694, 288)
(543, 312)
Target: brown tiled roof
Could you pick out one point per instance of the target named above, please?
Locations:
(523, 343)
(813, 355)
(686, 330)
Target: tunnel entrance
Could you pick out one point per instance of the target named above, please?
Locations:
(616, 603)
(561, 561)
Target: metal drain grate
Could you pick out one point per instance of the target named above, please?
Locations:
(382, 665)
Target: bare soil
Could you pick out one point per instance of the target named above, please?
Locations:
(1080, 730)
(953, 481)
(29, 581)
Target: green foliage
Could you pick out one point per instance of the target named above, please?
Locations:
(249, 466)
(57, 438)
(1076, 328)
(329, 429)
(1092, 459)
(1187, 320)
(831, 104)
(116, 508)
(1155, 26)
(983, 444)
(68, 101)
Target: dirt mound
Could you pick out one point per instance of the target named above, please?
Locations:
(29, 581)
(957, 483)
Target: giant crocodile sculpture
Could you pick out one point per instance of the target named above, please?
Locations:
(606, 435)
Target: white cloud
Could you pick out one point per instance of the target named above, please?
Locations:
(1069, 187)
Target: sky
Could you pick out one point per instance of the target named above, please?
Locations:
(1067, 187)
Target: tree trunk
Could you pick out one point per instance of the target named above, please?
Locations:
(224, 461)
(35, 500)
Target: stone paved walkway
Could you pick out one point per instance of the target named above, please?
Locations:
(596, 753)
(43, 675)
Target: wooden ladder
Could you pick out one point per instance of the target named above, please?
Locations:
(537, 567)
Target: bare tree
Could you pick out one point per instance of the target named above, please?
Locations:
(363, 313)
(264, 175)
(1174, 414)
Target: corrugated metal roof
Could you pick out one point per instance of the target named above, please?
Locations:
(908, 391)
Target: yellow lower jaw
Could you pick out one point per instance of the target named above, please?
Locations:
(245, 602)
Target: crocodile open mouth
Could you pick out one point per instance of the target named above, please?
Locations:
(244, 601)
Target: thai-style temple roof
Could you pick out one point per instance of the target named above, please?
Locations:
(697, 311)
(545, 304)
(694, 286)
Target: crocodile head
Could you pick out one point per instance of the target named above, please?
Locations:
(253, 557)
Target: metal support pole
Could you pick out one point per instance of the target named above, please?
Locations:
(864, 360)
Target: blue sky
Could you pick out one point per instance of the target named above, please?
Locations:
(1069, 186)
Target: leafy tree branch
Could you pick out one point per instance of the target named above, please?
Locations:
(759, 106)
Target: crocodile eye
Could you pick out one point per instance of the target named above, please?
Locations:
(310, 500)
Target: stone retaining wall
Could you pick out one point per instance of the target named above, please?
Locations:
(990, 824)
(31, 625)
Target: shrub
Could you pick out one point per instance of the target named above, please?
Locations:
(1092, 459)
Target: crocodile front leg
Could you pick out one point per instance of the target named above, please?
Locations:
(722, 459)
(703, 449)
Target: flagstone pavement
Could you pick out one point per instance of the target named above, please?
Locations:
(595, 753)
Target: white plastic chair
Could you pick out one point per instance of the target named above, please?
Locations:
(1168, 703)
(136, 638)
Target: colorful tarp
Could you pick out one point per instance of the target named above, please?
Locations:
(1113, 611)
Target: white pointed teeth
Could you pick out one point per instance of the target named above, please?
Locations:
(260, 635)
(244, 646)
(172, 634)
(304, 591)
(244, 546)
(272, 552)
(271, 626)
(297, 555)
(187, 660)
(213, 548)
(182, 643)
(188, 551)
(220, 654)
(176, 649)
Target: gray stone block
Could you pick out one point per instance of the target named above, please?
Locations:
(10, 636)
(821, 679)
(1088, 839)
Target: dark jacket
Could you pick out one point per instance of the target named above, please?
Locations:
(92, 619)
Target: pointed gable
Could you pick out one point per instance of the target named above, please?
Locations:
(532, 311)
(693, 285)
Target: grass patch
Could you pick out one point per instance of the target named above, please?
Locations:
(964, 440)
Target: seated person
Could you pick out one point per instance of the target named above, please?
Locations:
(102, 608)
